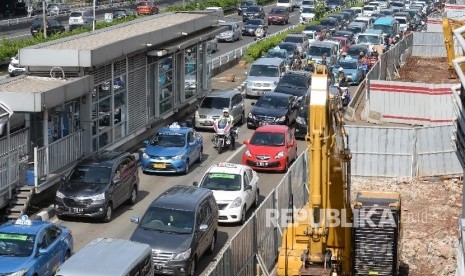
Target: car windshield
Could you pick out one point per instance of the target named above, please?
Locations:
(37, 22)
(267, 139)
(228, 27)
(370, 39)
(16, 245)
(272, 102)
(246, 4)
(294, 39)
(90, 175)
(307, 10)
(355, 51)
(264, 71)
(283, 1)
(397, 4)
(168, 220)
(355, 29)
(168, 140)
(293, 81)
(347, 65)
(223, 123)
(385, 28)
(316, 28)
(254, 22)
(326, 22)
(119, 12)
(253, 9)
(276, 54)
(278, 11)
(289, 47)
(368, 8)
(401, 20)
(319, 51)
(141, 4)
(75, 14)
(215, 103)
(222, 182)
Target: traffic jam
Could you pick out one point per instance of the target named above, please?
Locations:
(212, 169)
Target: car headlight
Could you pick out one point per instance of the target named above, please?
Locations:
(281, 119)
(275, 83)
(196, 114)
(257, 14)
(250, 115)
(248, 153)
(145, 155)
(300, 121)
(178, 157)
(236, 203)
(18, 273)
(59, 194)
(98, 197)
(279, 155)
(183, 255)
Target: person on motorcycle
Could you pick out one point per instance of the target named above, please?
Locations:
(230, 119)
(259, 33)
(340, 74)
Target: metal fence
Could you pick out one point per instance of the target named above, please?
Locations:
(55, 156)
(255, 245)
(18, 142)
(9, 170)
(402, 152)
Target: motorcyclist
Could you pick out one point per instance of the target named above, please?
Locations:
(340, 74)
(259, 33)
(230, 119)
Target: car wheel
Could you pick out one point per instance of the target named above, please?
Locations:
(255, 201)
(133, 198)
(12, 75)
(199, 160)
(243, 215)
(286, 167)
(211, 248)
(193, 266)
(108, 213)
(67, 255)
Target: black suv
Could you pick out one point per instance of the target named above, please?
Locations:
(273, 109)
(242, 6)
(52, 27)
(97, 185)
(180, 226)
(295, 83)
(253, 12)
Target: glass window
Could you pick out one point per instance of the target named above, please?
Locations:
(165, 84)
(168, 220)
(190, 72)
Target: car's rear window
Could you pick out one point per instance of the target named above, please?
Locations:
(75, 14)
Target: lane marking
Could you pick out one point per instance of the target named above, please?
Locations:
(235, 153)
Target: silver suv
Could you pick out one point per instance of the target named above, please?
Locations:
(211, 108)
(78, 19)
(264, 75)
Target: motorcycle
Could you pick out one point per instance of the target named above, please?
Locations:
(223, 134)
(259, 33)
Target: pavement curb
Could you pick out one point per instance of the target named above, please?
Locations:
(46, 214)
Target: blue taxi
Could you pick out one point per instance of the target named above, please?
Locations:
(29, 247)
(172, 150)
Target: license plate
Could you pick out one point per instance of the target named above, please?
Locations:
(262, 164)
(158, 267)
(263, 123)
(159, 166)
(208, 123)
(76, 210)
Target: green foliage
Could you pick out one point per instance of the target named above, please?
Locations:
(320, 10)
(358, 4)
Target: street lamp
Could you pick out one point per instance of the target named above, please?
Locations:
(93, 22)
(44, 21)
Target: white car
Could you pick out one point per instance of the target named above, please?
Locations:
(306, 15)
(14, 68)
(235, 188)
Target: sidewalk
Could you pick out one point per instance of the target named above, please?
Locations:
(233, 78)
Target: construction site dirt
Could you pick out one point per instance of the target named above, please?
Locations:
(425, 70)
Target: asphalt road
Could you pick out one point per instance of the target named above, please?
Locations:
(85, 230)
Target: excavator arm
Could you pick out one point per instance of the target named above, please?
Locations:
(448, 25)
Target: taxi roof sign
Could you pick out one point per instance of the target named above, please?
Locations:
(174, 125)
(228, 165)
(23, 220)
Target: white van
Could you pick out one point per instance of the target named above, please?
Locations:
(79, 19)
(110, 257)
(289, 4)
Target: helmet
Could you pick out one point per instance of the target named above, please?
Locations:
(344, 54)
(225, 110)
(341, 69)
(398, 36)
(362, 54)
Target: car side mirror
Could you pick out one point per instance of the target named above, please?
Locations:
(291, 144)
(248, 187)
(245, 142)
(116, 181)
(203, 227)
(252, 103)
(63, 178)
(146, 142)
(43, 251)
(195, 183)
(135, 220)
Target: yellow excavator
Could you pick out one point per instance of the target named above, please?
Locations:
(330, 235)
(448, 25)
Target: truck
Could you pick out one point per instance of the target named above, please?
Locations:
(330, 235)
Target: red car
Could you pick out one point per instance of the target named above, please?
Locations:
(278, 15)
(147, 8)
(271, 148)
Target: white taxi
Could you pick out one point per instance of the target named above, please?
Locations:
(235, 188)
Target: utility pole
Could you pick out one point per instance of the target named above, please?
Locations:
(44, 21)
(93, 22)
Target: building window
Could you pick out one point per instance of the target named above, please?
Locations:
(165, 84)
(109, 112)
(190, 73)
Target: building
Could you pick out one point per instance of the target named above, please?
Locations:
(106, 89)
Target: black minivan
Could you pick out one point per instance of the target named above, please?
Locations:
(180, 226)
(52, 27)
(97, 185)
